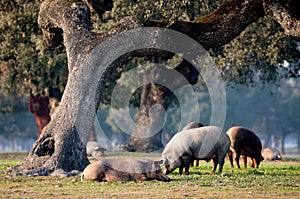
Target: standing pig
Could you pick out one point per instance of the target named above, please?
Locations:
(244, 142)
(271, 154)
(204, 143)
(112, 170)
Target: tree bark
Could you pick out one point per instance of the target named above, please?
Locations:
(61, 145)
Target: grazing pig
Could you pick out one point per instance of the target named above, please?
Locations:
(271, 154)
(112, 170)
(244, 142)
(204, 143)
(192, 125)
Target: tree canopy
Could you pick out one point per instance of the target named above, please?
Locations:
(255, 50)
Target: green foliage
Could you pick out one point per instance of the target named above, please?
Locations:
(26, 61)
(258, 53)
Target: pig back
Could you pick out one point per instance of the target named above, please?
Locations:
(130, 165)
(192, 125)
(200, 143)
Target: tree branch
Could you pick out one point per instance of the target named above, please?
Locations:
(286, 14)
(221, 26)
(68, 22)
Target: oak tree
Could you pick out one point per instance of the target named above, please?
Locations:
(62, 142)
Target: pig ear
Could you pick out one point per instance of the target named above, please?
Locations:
(161, 162)
(158, 163)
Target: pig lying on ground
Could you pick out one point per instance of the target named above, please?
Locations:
(94, 149)
(123, 170)
(271, 154)
(192, 125)
(204, 143)
(244, 142)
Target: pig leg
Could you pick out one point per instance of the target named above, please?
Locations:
(181, 170)
(181, 165)
(221, 163)
(215, 164)
(186, 168)
(254, 163)
(197, 163)
(244, 157)
(230, 156)
(237, 159)
(192, 162)
(186, 162)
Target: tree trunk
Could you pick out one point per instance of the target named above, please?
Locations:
(155, 99)
(150, 120)
(282, 144)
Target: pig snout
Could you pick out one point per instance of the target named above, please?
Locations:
(161, 176)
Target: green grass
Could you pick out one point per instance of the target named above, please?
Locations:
(280, 179)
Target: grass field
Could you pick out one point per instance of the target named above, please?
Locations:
(279, 179)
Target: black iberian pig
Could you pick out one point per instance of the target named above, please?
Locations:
(244, 143)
